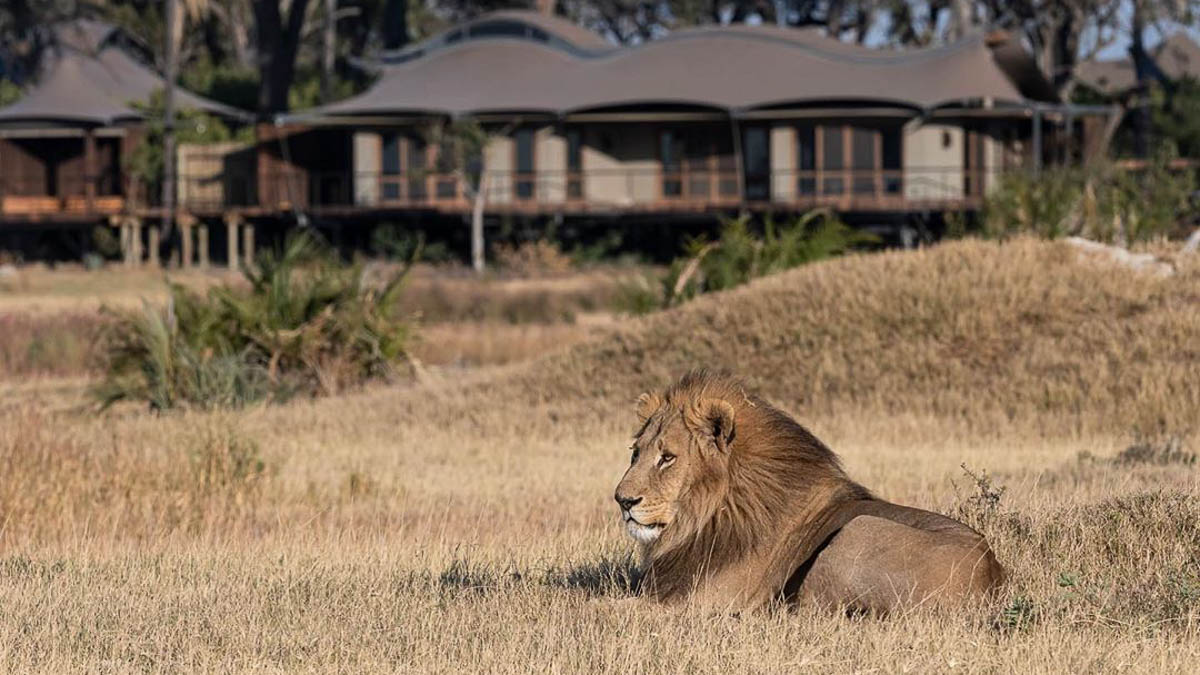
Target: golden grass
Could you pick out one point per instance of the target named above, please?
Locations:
(465, 524)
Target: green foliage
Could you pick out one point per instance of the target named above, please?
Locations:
(640, 295)
(395, 242)
(740, 255)
(145, 162)
(1105, 204)
(225, 82)
(307, 325)
(105, 241)
(9, 92)
(305, 91)
(1176, 118)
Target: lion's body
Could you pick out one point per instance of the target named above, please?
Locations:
(751, 508)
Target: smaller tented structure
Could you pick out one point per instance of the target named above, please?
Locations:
(61, 144)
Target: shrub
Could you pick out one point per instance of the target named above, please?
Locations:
(306, 325)
(1105, 204)
(394, 242)
(741, 254)
(533, 259)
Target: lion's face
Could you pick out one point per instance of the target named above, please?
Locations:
(678, 453)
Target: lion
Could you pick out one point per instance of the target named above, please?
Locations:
(737, 506)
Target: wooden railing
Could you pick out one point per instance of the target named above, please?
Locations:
(606, 190)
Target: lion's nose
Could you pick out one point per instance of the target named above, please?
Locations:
(627, 503)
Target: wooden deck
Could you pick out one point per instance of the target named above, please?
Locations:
(575, 194)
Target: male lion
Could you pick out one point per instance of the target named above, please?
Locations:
(736, 505)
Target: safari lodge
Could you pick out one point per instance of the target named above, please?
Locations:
(701, 121)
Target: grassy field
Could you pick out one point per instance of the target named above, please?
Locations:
(465, 524)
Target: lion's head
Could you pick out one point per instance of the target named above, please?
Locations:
(679, 460)
(714, 474)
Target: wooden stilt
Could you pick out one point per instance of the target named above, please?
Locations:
(186, 253)
(135, 241)
(152, 244)
(231, 241)
(248, 245)
(202, 245)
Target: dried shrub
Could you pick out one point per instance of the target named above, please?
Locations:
(1159, 449)
(539, 258)
(306, 325)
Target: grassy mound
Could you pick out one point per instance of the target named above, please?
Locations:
(982, 332)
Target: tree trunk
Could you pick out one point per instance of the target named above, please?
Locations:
(174, 32)
(395, 24)
(477, 242)
(1141, 66)
(328, 50)
(277, 45)
(961, 18)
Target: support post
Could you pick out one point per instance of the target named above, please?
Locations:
(152, 244)
(231, 240)
(248, 245)
(89, 169)
(1037, 139)
(174, 26)
(126, 253)
(135, 241)
(187, 256)
(202, 245)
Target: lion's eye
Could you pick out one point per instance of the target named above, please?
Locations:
(633, 459)
(665, 460)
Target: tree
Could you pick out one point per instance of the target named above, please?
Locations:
(461, 145)
(278, 43)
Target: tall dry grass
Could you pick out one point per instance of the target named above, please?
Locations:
(465, 524)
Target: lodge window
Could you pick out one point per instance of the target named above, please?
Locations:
(835, 159)
(890, 149)
(697, 162)
(806, 160)
(574, 164)
(416, 169)
(670, 152)
(403, 165)
(525, 177)
(756, 155)
(832, 160)
(391, 166)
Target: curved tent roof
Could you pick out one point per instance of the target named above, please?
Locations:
(734, 69)
(85, 81)
(1178, 56)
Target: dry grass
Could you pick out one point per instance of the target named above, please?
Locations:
(465, 524)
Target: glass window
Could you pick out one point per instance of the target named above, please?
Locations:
(391, 155)
(524, 163)
(416, 168)
(670, 149)
(574, 164)
(574, 150)
(757, 160)
(806, 159)
(891, 160)
(833, 159)
(862, 153)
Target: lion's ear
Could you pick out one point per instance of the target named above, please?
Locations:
(647, 405)
(712, 419)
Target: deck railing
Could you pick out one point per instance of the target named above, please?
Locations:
(626, 189)
(595, 190)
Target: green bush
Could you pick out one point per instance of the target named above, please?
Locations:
(306, 325)
(740, 255)
(1106, 204)
(395, 242)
